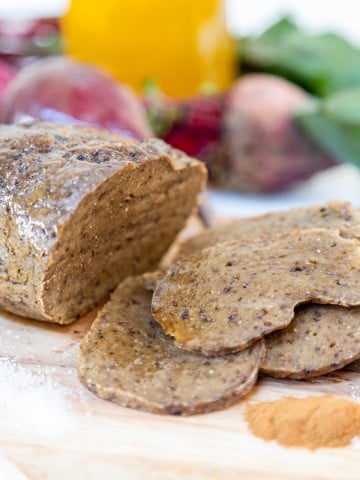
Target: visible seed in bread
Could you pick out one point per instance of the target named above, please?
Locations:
(127, 358)
(334, 216)
(80, 210)
(320, 339)
(234, 293)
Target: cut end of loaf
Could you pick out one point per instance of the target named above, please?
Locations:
(122, 228)
(80, 210)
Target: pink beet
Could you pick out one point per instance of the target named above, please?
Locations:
(7, 73)
(66, 91)
(264, 149)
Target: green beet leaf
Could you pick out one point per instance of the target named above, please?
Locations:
(322, 64)
(334, 124)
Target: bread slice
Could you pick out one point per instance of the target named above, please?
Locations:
(334, 215)
(225, 297)
(126, 357)
(320, 339)
(80, 210)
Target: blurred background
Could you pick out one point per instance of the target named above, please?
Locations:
(267, 94)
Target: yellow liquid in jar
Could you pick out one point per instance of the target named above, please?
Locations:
(181, 45)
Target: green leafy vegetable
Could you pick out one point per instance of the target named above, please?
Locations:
(322, 64)
(334, 123)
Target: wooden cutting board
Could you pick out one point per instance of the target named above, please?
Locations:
(51, 427)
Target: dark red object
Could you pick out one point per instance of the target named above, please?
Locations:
(197, 127)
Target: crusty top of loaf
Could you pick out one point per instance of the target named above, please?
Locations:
(41, 137)
(46, 169)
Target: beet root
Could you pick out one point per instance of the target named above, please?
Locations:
(263, 148)
(7, 73)
(66, 91)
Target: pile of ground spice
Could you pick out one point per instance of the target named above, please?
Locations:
(312, 422)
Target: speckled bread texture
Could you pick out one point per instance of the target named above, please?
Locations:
(335, 215)
(126, 357)
(225, 297)
(320, 339)
(81, 209)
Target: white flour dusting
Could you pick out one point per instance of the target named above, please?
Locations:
(355, 396)
(9, 471)
(355, 392)
(33, 403)
(356, 443)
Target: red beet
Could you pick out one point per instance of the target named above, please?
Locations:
(192, 125)
(197, 128)
(264, 149)
(66, 91)
(7, 73)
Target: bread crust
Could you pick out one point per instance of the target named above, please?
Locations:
(81, 209)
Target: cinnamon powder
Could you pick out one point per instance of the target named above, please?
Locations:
(312, 422)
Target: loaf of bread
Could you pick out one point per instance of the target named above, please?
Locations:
(80, 210)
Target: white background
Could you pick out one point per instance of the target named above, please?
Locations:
(317, 15)
(244, 16)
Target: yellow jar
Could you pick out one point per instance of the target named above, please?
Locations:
(181, 45)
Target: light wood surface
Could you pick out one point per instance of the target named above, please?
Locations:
(104, 441)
